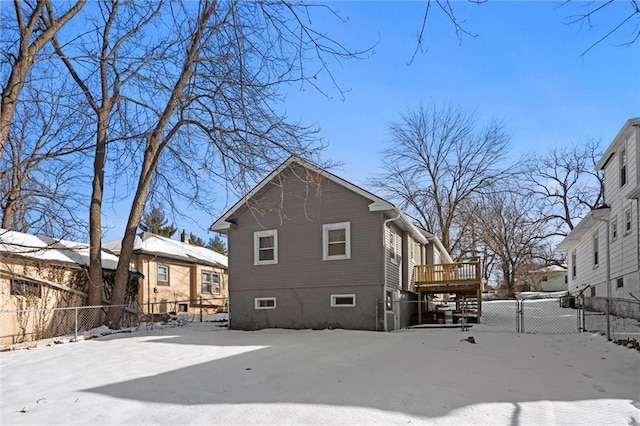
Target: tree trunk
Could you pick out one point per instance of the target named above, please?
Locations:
(121, 279)
(96, 283)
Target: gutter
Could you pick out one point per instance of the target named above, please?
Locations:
(384, 280)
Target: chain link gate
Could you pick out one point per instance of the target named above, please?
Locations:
(546, 316)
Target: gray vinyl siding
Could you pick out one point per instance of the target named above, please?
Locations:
(301, 280)
(302, 308)
(394, 267)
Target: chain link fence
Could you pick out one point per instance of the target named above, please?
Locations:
(614, 317)
(536, 315)
(31, 325)
(34, 324)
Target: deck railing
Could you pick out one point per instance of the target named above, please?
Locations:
(442, 273)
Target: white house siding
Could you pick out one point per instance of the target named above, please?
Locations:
(625, 251)
(587, 274)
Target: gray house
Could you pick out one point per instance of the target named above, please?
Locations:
(308, 249)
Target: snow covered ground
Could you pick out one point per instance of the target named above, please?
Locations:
(201, 373)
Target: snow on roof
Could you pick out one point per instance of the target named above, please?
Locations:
(50, 249)
(155, 244)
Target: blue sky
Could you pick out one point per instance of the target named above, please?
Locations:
(525, 67)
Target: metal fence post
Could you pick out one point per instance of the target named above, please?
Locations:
(76, 323)
(200, 308)
(519, 316)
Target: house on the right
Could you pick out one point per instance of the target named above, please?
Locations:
(603, 251)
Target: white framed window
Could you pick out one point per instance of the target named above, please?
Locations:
(574, 267)
(343, 300)
(416, 253)
(265, 247)
(210, 282)
(623, 166)
(163, 275)
(393, 245)
(620, 282)
(614, 229)
(264, 302)
(627, 221)
(183, 307)
(596, 250)
(336, 241)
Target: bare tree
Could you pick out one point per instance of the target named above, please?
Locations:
(28, 36)
(205, 103)
(115, 57)
(508, 226)
(566, 184)
(627, 19)
(438, 161)
(43, 166)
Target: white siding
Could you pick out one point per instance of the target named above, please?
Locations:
(587, 274)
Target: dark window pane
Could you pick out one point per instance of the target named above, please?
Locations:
(266, 254)
(337, 235)
(266, 242)
(336, 249)
(343, 300)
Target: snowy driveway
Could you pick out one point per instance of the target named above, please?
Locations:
(202, 374)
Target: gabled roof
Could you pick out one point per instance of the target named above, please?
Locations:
(614, 146)
(377, 204)
(149, 243)
(590, 221)
(50, 249)
(436, 241)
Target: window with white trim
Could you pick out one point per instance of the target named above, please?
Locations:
(393, 244)
(627, 221)
(596, 250)
(265, 247)
(183, 307)
(620, 282)
(162, 276)
(336, 241)
(614, 229)
(210, 282)
(343, 300)
(623, 166)
(264, 302)
(574, 267)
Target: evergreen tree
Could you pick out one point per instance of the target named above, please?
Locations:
(195, 240)
(155, 222)
(217, 244)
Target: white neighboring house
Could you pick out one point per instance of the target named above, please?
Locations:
(603, 252)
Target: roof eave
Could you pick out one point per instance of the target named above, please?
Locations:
(585, 225)
(611, 149)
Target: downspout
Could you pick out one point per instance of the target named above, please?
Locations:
(384, 287)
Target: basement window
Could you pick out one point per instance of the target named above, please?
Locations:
(343, 300)
(265, 302)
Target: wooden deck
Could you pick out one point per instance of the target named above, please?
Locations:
(462, 278)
